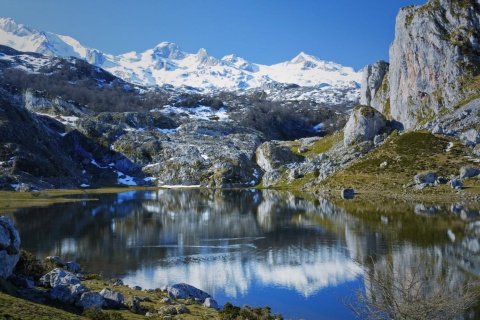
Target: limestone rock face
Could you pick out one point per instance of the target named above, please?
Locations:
(375, 90)
(364, 124)
(9, 247)
(434, 57)
(271, 156)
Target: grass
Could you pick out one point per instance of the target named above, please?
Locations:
(18, 308)
(321, 146)
(405, 156)
(11, 201)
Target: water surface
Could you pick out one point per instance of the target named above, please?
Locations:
(298, 255)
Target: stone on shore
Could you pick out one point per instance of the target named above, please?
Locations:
(9, 247)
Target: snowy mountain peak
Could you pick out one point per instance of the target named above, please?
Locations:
(168, 50)
(166, 63)
(9, 25)
(302, 57)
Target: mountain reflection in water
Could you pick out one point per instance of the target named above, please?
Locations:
(245, 246)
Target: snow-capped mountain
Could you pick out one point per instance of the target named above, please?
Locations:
(167, 64)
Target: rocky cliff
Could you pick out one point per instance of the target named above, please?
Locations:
(434, 62)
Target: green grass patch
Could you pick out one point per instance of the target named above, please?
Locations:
(321, 146)
(399, 159)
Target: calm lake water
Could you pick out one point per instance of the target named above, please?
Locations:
(300, 255)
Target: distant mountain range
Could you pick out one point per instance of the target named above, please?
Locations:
(167, 64)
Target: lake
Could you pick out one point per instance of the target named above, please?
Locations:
(299, 254)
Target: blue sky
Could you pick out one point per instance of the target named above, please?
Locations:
(350, 32)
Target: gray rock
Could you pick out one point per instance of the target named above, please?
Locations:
(379, 138)
(271, 178)
(114, 282)
(469, 172)
(111, 299)
(374, 88)
(90, 300)
(456, 183)
(210, 303)
(9, 247)
(437, 129)
(24, 187)
(173, 310)
(133, 303)
(427, 178)
(348, 193)
(431, 50)
(471, 137)
(166, 300)
(272, 156)
(59, 277)
(73, 266)
(67, 293)
(363, 125)
(185, 291)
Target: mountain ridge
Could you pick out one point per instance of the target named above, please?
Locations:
(166, 63)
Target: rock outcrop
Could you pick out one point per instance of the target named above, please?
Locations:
(9, 247)
(434, 55)
(375, 90)
(272, 155)
(186, 291)
(434, 62)
(364, 124)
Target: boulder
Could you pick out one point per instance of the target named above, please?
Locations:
(470, 137)
(173, 310)
(9, 247)
(186, 291)
(111, 299)
(210, 303)
(363, 125)
(133, 304)
(427, 178)
(90, 300)
(114, 282)
(24, 187)
(469, 172)
(73, 266)
(272, 156)
(456, 183)
(59, 277)
(68, 293)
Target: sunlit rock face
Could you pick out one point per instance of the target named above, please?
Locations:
(434, 54)
(374, 91)
(363, 125)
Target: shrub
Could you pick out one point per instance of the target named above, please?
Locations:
(231, 312)
(29, 266)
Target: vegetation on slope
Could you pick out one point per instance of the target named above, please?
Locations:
(399, 159)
